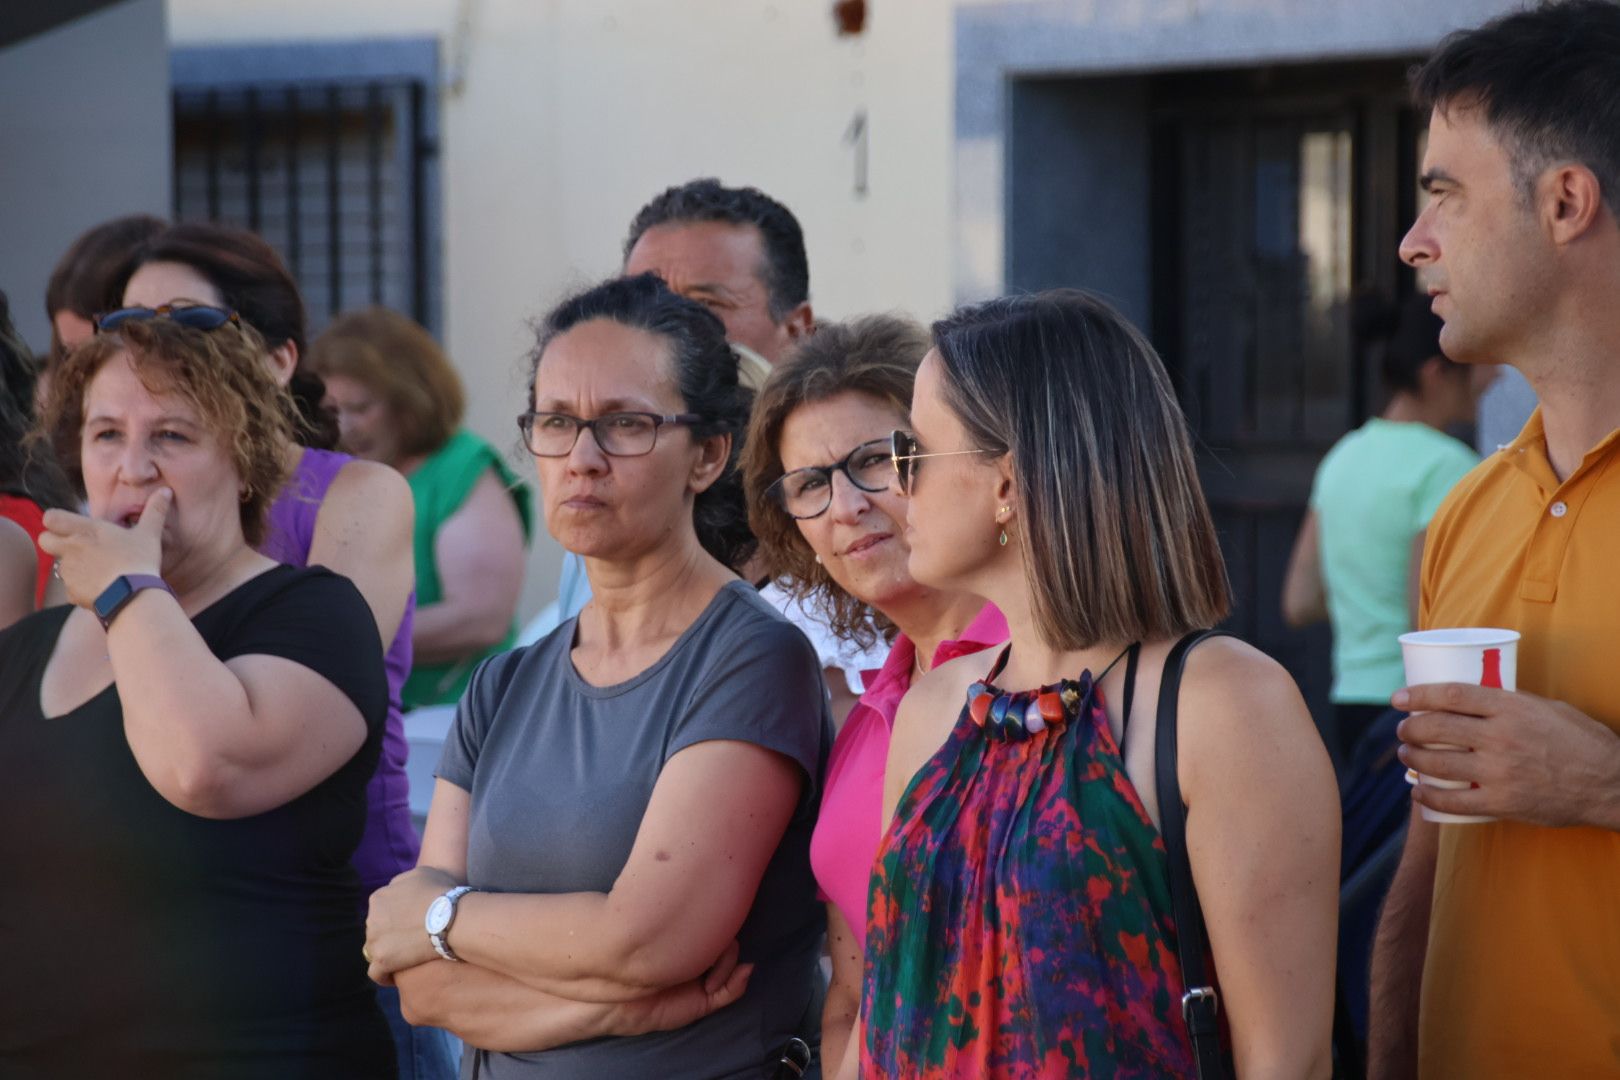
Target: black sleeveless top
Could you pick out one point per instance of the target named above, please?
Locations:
(143, 941)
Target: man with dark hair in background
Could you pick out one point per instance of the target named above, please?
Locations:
(738, 252)
(1498, 954)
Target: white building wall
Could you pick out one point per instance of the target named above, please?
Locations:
(567, 115)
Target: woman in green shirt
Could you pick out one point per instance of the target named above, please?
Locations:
(400, 402)
(1358, 553)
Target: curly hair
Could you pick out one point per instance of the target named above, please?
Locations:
(705, 376)
(876, 356)
(221, 373)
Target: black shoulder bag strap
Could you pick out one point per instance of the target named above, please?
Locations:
(1200, 1004)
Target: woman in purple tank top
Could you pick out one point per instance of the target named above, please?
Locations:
(353, 517)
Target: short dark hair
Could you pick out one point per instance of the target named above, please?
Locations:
(786, 272)
(705, 370)
(1546, 81)
(89, 277)
(1117, 538)
(877, 356)
(254, 282)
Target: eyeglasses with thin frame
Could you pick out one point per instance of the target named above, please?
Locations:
(619, 434)
(807, 493)
(195, 316)
(905, 452)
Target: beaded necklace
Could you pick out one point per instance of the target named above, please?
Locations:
(1015, 716)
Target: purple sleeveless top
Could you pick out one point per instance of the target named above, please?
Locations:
(389, 844)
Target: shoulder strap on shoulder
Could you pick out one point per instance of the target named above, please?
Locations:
(1129, 699)
(1200, 1003)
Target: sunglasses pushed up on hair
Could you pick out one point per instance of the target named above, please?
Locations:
(194, 316)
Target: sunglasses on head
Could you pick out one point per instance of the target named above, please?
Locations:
(194, 316)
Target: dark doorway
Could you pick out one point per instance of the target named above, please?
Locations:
(1278, 194)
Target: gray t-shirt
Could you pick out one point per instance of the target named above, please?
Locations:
(560, 773)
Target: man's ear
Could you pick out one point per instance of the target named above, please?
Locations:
(284, 361)
(800, 321)
(1571, 199)
(713, 453)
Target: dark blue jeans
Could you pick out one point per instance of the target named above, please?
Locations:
(425, 1053)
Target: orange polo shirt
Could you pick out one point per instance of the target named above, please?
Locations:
(1522, 977)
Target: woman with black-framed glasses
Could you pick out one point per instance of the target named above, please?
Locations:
(819, 467)
(623, 809)
(617, 434)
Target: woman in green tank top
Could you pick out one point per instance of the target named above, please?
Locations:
(400, 402)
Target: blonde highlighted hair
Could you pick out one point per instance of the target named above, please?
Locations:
(1117, 539)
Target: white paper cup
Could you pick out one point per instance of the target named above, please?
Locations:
(1483, 656)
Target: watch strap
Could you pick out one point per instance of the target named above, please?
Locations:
(440, 940)
(124, 588)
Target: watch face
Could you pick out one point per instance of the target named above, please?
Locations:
(112, 598)
(438, 915)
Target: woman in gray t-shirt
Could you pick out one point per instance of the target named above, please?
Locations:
(634, 793)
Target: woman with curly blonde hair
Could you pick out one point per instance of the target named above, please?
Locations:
(189, 740)
(818, 472)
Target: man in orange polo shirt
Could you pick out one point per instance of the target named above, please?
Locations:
(1498, 954)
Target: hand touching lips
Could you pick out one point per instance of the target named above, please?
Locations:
(90, 553)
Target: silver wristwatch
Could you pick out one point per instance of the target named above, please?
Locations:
(440, 914)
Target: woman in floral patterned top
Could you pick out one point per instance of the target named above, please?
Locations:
(1020, 922)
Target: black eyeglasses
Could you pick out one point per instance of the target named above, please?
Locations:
(807, 492)
(195, 316)
(620, 434)
(905, 452)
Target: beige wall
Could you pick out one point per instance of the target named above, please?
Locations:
(571, 113)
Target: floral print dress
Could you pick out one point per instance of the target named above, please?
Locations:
(1019, 920)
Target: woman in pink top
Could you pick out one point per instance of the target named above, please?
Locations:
(830, 527)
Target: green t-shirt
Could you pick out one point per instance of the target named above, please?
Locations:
(440, 485)
(1376, 490)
